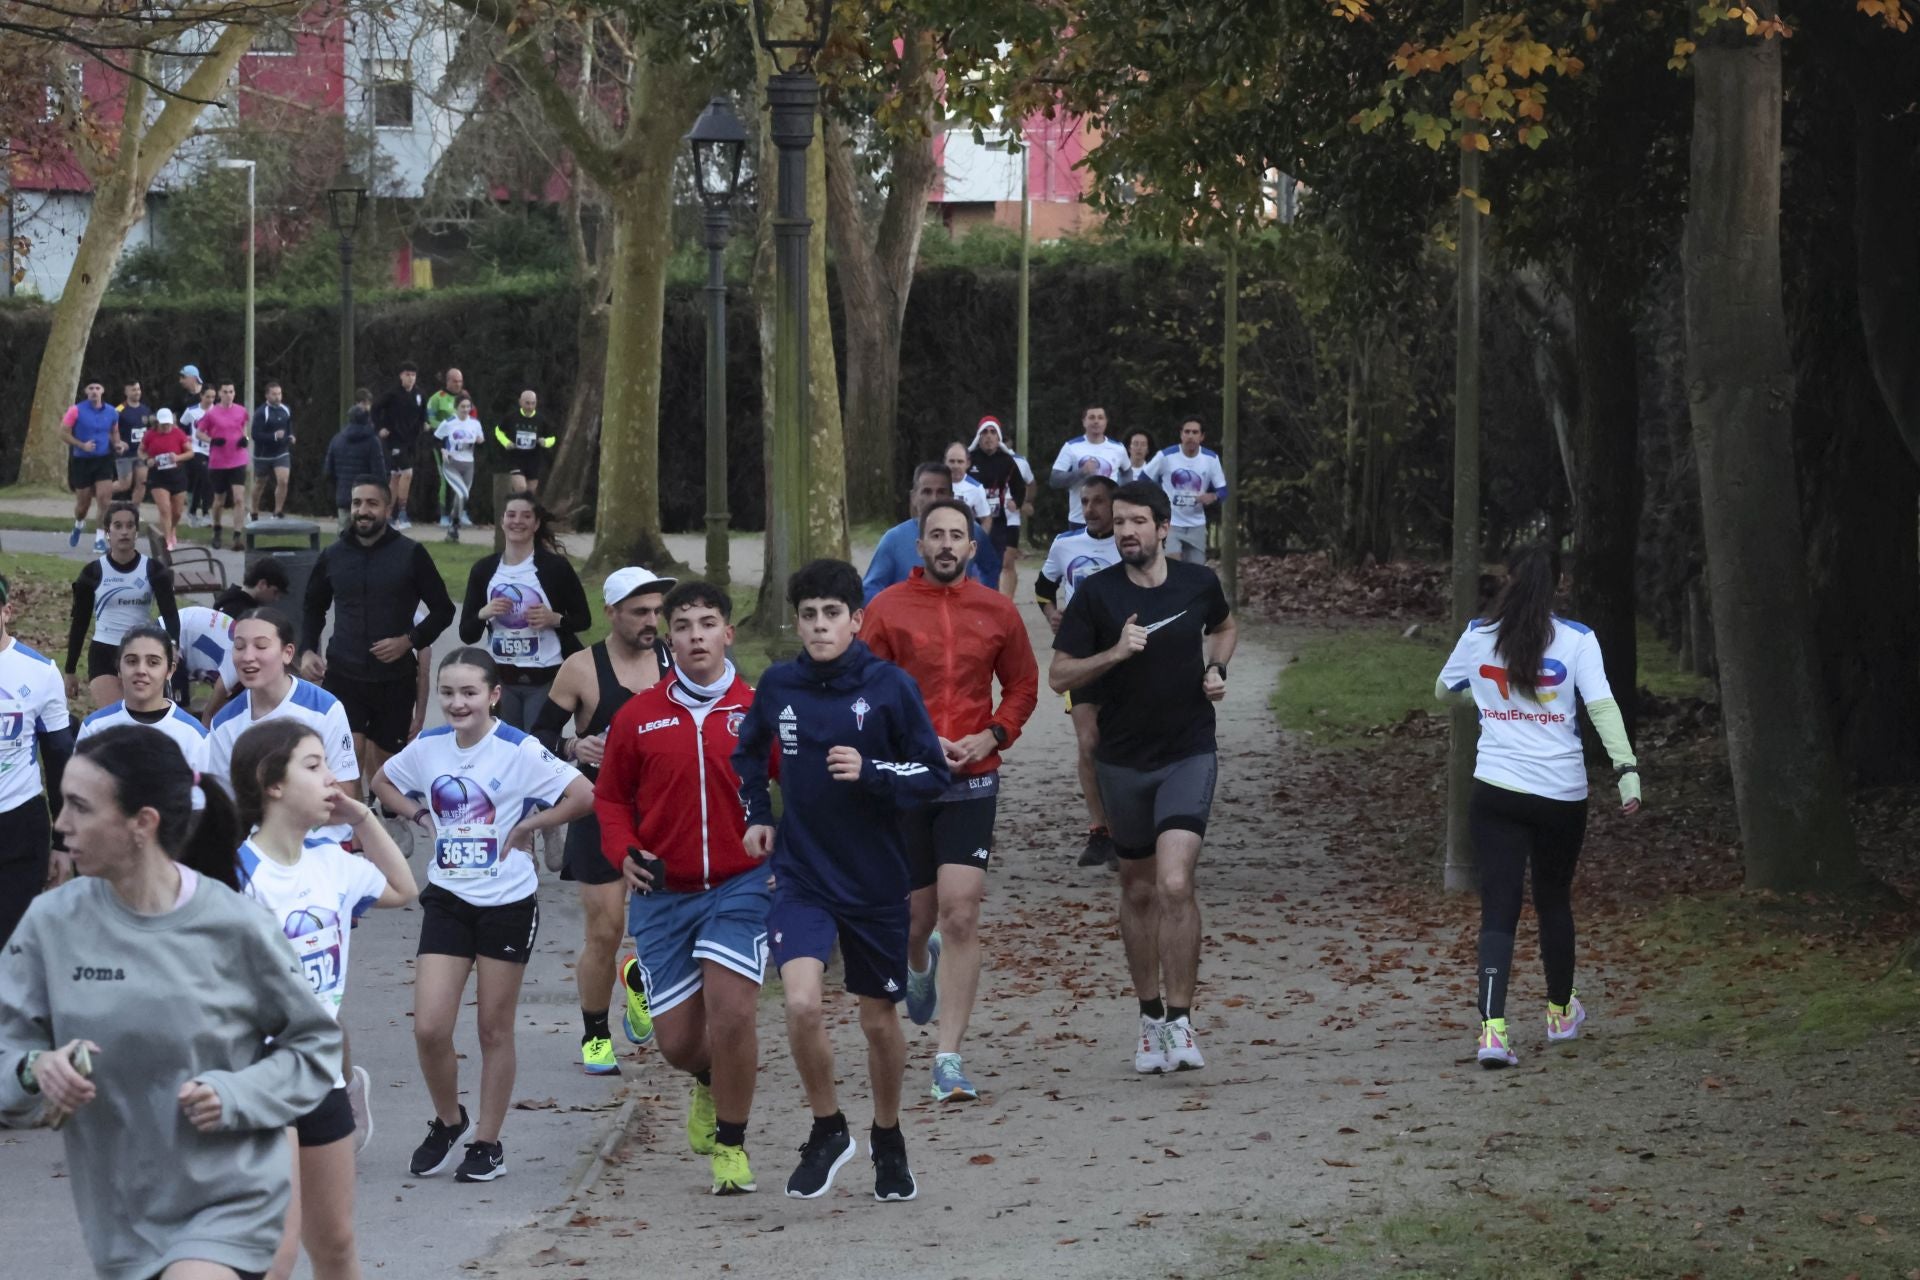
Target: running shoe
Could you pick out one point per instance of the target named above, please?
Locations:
(485, 1161)
(1563, 1022)
(892, 1179)
(237, 544)
(732, 1176)
(1493, 1052)
(553, 848)
(436, 1153)
(701, 1121)
(446, 521)
(1100, 849)
(73, 539)
(357, 1082)
(923, 993)
(637, 1020)
(466, 521)
(596, 1056)
(453, 534)
(401, 522)
(950, 1083)
(1183, 1053)
(820, 1160)
(99, 543)
(1150, 1059)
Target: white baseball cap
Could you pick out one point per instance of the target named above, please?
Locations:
(632, 581)
(163, 415)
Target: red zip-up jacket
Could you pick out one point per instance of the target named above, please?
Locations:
(953, 641)
(667, 786)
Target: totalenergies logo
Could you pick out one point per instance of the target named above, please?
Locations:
(1552, 675)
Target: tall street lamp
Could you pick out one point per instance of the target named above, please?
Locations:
(793, 30)
(717, 140)
(346, 206)
(248, 165)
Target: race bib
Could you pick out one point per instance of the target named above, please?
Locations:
(139, 434)
(523, 439)
(467, 851)
(508, 647)
(319, 954)
(164, 462)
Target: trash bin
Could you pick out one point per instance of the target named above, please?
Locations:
(296, 560)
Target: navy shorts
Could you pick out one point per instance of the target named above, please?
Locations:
(873, 941)
(674, 932)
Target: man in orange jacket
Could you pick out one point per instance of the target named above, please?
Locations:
(954, 637)
(668, 802)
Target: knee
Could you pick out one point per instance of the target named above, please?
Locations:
(330, 1245)
(1137, 892)
(432, 1033)
(960, 920)
(804, 1012)
(496, 1034)
(880, 1020)
(1175, 888)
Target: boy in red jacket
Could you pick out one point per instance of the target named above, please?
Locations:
(670, 816)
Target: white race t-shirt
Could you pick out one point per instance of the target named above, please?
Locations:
(459, 437)
(478, 794)
(1530, 744)
(185, 731)
(1109, 455)
(1185, 479)
(206, 642)
(1026, 474)
(309, 704)
(189, 419)
(509, 639)
(975, 495)
(33, 701)
(1072, 557)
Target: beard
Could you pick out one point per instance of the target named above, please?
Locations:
(1139, 555)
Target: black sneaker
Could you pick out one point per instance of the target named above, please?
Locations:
(820, 1159)
(436, 1153)
(1100, 849)
(892, 1180)
(485, 1161)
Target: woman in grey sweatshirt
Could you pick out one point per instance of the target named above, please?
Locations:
(174, 984)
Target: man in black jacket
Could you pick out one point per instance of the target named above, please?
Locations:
(377, 577)
(400, 416)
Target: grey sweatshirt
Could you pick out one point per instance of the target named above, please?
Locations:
(189, 994)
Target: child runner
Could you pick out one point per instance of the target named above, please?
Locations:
(118, 592)
(147, 661)
(855, 749)
(172, 984)
(483, 789)
(33, 706)
(1524, 667)
(314, 889)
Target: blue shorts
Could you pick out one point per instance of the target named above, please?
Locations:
(674, 932)
(873, 941)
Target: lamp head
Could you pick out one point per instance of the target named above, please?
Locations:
(799, 37)
(717, 140)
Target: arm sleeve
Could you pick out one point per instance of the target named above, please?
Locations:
(986, 558)
(617, 792)
(1019, 674)
(297, 1073)
(433, 591)
(750, 765)
(1612, 729)
(339, 743)
(550, 724)
(472, 625)
(318, 599)
(53, 727)
(1062, 470)
(500, 434)
(918, 771)
(875, 633)
(1078, 634)
(161, 579)
(26, 1018)
(1218, 610)
(1047, 586)
(83, 589)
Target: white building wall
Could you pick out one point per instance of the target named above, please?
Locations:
(977, 173)
(52, 222)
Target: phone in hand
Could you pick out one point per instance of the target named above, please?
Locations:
(656, 870)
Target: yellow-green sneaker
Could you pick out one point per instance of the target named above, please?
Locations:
(596, 1056)
(638, 1019)
(701, 1122)
(731, 1174)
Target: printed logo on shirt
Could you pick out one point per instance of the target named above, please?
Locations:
(860, 709)
(1164, 621)
(1552, 675)
(668, 723)
(86, 973)
(789, 733)
(460, 800)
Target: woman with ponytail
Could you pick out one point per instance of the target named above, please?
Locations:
(1524, 667)
(142, 994)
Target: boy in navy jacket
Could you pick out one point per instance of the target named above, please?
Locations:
(855, 748)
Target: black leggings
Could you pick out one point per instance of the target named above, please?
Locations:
(26, 839)
(1511, 829)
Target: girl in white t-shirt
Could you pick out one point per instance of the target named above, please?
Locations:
(458, 435)
(1524, 668)
(284, 790)
(147, 663)
(481, 788)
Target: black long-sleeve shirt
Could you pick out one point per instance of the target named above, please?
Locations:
(562, 586)
(85, 592)
(373, 591)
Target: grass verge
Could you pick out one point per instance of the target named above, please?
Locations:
(1342, 685)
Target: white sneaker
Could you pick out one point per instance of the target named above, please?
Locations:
(1150, 1059)
(99, 544)
(1182, 1053)
(357, 1081)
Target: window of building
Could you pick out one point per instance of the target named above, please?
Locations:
(273, 39)
(391, 81)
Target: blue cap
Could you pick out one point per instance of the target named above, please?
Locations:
(190, 371)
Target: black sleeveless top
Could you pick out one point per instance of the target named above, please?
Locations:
(613, 694)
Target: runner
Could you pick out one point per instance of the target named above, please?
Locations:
(1156, 637)
(591, 688)
(165, 450)
(529, 603)
(373, 578)
(400, 415)
(147, 660)
(526, 437)
(968, 491)
(855, 749)
(117, 592)
(440, 407)
(35, 726)
(92, 432)
(482, 788)
(1089, 454)
(266, 583)
(174, 1110)
(458, 435)
(206, 658)
(670, 821)
(1139, 450)
(1006, 477)
(315, 891)
(273, 441)
(896, 556)
(354, 453)
(1194, 481)
(131, 466)
(1070, 560)
(226, 427)
(199, 474)
(954, 637)
(1524, 667)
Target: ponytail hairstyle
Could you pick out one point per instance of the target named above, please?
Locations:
(472, 656)
(260, 760)
(275, 618)
(546, 532)
(1523, 611)
(157, 633)
(149, 772)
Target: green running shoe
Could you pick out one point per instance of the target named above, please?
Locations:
(701, 1123)
(638, 1020)
(596, 1056)
(731, 1174)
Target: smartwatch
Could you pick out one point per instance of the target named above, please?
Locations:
(1000, 734)
(1220, 666)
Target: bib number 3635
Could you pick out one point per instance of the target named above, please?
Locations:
(467, 852)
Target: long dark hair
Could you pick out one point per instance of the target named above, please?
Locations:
(1524, 613)
(546, 533)
(260, 760)
(149, 772)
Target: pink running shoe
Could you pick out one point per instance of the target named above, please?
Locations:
(1494, 1052)
(1565, 1026)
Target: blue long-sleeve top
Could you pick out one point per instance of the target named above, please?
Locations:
(839, 842)
(899, 555)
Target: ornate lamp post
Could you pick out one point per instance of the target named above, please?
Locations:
(346, 206)
(717, 140)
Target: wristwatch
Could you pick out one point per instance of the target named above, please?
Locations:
(24, 1072)
(1221, 666)
(1000, 735)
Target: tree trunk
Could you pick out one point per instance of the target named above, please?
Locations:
(827, 469)
(1794, 827)
(1606, 451)
(567, 487)
(1887, 251)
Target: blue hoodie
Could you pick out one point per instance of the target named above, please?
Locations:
(839, 843)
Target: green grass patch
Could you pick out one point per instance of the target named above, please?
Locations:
(1340, 686)
(1660, 672)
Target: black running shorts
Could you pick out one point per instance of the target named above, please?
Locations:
(584, 863)
(86, 472)
(379, 710)
(102, 660)
(949, 833)
(452, 926)
(327, 1123)
(1143, 803)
